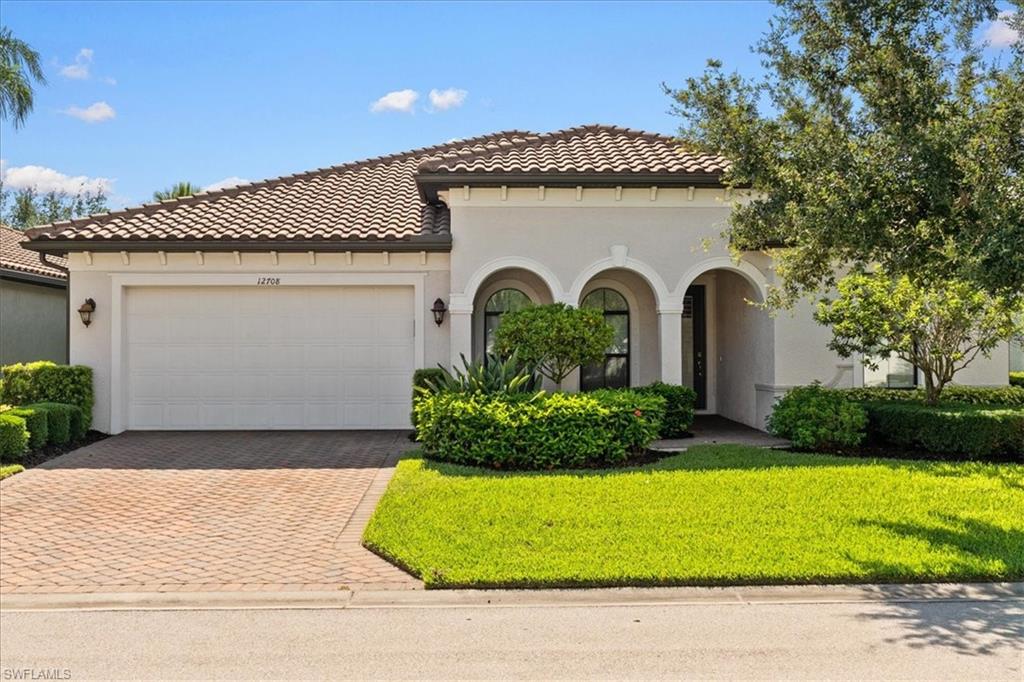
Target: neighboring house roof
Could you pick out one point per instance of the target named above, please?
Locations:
(386, 202)
(19, 262)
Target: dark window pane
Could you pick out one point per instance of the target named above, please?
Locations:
(491, 323)
(620, 342)
(614, 302)
(507, 301)
(616, 372)
(595, 299)
(592, 376)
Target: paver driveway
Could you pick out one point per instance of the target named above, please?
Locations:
(199, 511)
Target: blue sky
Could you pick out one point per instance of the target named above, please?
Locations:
(142, 95)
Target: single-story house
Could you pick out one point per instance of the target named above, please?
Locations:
(33, 303)
(306, 301)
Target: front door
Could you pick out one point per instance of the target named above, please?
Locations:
(695, 364)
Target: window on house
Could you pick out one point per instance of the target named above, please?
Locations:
(501, 302)
(892, 372)
(613, 371)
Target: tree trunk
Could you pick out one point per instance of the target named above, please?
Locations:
(931, 391)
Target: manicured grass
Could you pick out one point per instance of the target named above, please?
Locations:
(712, 515)
(9, 470)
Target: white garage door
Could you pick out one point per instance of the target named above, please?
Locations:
(338, 357)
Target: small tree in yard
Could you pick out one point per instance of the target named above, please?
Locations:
(556, 338)
(939, 328)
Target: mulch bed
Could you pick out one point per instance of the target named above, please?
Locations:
(36, 457)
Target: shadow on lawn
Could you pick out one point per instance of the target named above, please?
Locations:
(734, 458)
(970, 626)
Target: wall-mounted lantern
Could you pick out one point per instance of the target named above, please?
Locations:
(439, 309)
(86, 311)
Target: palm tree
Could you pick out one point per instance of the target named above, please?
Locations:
(19, 66)
(177, 191)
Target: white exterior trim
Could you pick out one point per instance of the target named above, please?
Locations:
(661, 293)
(464, 299)
(120, 282)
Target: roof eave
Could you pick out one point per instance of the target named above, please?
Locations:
(437, 243)
(33, 277)
(430, 182)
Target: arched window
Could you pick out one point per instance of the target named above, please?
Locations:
(613, 371)
(501, 302)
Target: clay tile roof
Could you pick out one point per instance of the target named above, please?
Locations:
(15, 258)
(370, 200)
(378, 200)
(585, 150)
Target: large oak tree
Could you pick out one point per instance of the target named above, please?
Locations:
(882, 133)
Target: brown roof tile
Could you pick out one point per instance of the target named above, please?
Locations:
(585, 150)
(378, 199)
(375, 199)
(14, 257)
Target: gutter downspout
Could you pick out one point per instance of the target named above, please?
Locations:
(67, 305)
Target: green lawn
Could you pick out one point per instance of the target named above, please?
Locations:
(712, 515)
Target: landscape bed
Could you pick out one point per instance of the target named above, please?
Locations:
(714, 515)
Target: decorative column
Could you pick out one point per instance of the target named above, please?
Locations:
(460, 316)
(670, 327)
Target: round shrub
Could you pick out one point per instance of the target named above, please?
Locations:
(679, 406)
(13, 436)
(58, 420)
(45, 381)
(538, 431)
(37, 424)
(815, 418)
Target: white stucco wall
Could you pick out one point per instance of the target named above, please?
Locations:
(92, 346)
(745, 349)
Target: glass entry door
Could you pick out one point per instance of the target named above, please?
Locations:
(695, 351)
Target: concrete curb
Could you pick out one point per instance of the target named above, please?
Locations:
(652, 596)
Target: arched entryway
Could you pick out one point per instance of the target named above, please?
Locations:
(728, 342)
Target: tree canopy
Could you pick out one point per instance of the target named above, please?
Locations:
(939, 329)
(176, 191)
(26, 207)
(879, 134)
(555, 338)
(19, 66)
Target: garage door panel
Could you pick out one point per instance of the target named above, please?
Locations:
(288, 357)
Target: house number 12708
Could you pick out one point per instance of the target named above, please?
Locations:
(268, 281)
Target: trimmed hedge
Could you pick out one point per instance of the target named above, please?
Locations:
(13, 436)
(955, 430)
(815, 418)
(1011, 396)
(36, 422)
(419, 380)
(1017, 379)
(60, 420)
(679, 405)
(539, 431)
(44, 381)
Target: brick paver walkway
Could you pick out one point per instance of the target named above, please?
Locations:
(200, 511)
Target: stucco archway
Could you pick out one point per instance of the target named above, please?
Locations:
(747, 270)
(662, 294)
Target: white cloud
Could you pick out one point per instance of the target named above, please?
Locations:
(94, 113)
(233, 181)
(109, 80)
(80, 69)
(44, 180)
(442, 100)
(999, 33)
(399, 100)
